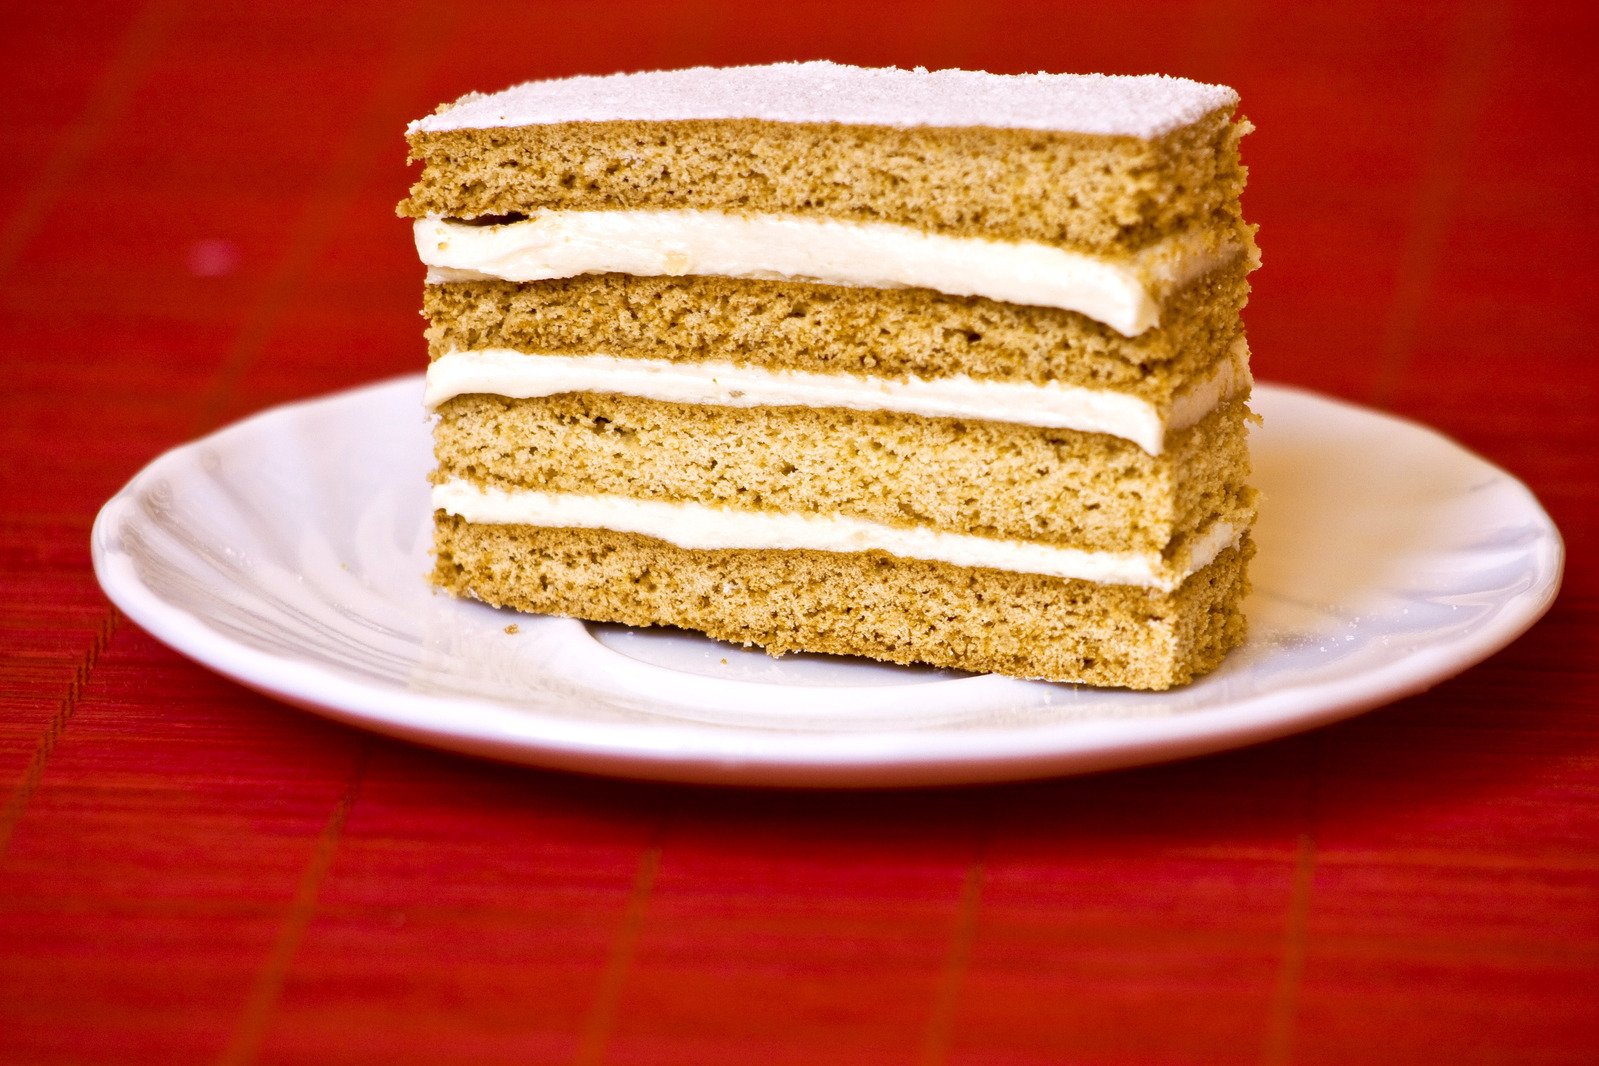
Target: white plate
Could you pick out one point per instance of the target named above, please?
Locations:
(289, 552)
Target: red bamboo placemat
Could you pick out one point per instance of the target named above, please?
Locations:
(197, 223)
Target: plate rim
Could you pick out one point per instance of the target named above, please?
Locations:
(837, 759)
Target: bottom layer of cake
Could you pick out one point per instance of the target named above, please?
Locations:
(869, 604)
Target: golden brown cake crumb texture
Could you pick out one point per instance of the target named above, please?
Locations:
(870, 604)
(789, 325)
(1082, 490)
(1090, 192)
(1105, 195)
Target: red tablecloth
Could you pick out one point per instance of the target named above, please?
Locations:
(197, 223)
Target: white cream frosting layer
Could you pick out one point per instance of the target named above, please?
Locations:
(1053, 405)
(1146, 105)
(701, 527)
(1122, 293)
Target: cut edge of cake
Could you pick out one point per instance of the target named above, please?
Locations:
(544, 360)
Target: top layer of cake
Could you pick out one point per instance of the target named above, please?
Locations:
(1142, 106)
(1101, 165)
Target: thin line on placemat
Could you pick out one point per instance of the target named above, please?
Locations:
(1283, 1014)
(1475, 43)
(57, 725)
(324, 207)
(105, 107)
(1291, 971)
(268, 986)
(958, 957)
(1541, 862)
(252, 333)
(601, 1018)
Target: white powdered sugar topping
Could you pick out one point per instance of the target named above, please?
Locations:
(1145, 105)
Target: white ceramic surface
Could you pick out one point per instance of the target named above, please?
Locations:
(289, 552)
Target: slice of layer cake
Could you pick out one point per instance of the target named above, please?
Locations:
(931, 367)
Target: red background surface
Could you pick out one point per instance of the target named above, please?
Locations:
(197, 223)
